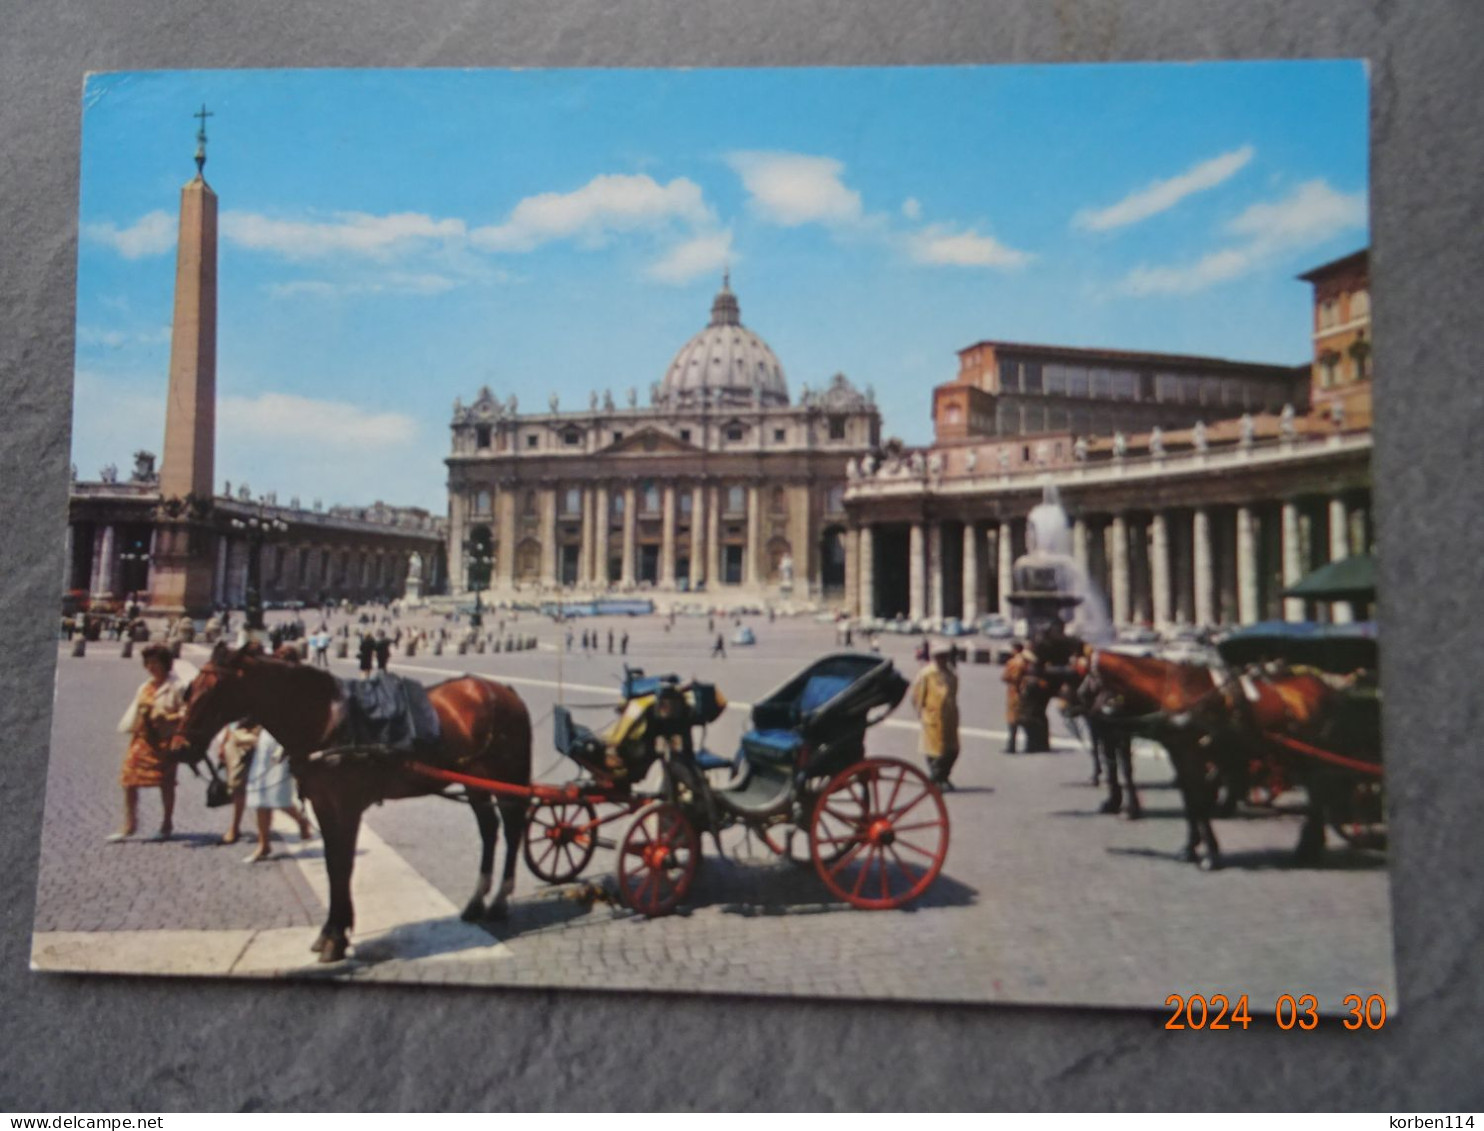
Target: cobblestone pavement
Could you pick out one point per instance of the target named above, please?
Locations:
(1042, 900)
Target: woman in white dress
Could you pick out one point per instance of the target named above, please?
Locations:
(270, 786)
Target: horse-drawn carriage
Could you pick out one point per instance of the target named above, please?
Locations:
(1289, 705)
(876, 830)
(1343, 743)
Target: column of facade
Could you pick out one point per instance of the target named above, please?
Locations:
(971, 573)
(600, 537)
(916, 582)
(505, 550)
(1339, 548)
(852, 572)
(934, 568)
(803, 540)
(1005, 565)
(667, 536)
(1118, 567)
(103, 562)
(751, 573)
(867, 572)
(1159, 568)
(1246, 566)
(630, 502)
(547, 502)
(458, 531)
(1293, 607)
(1202, 567)
(713, 536)
(698, 516)
(585, 538)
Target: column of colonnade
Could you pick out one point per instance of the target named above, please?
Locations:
(971, 581)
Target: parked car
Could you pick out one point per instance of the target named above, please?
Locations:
(996, 627)
(955, 627)
(743, 635)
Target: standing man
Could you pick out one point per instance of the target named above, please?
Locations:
(935, 698)
(623, 646)
(1013, 673)
(720, 647)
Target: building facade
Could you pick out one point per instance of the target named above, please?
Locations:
(312, 557)
(1202, 521)
(721, 484)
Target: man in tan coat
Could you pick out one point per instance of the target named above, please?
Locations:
(1013, 673)
(935, 698)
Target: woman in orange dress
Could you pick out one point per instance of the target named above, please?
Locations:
(150, 722)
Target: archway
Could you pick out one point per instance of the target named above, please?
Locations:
(832, 560)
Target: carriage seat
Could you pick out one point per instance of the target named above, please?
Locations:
(578, 742)
(780, 714)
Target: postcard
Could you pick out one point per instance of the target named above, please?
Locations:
(853, 533)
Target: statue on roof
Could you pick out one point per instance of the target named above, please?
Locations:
(1198, 436)
(608, 400)
(109, 473)
(592, 401)
(1248, 428)
(1120, 445)
(554, 402)
(1079, 449)
(633, 397)
(1286, 424)
(144, 468)
(971, 461)
(1157, 441)
(512, 405)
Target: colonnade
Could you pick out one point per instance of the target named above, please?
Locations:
(1202, 565)
(665, 534)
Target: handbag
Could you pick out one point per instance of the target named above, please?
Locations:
(218, 792)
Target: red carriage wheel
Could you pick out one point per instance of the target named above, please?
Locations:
(880, 834)
(657, 859)
(560, 839)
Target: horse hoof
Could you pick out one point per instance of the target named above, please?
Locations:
(319, 944)
(1189, 855)
(473, 912)
(1132, 814)
(1210, 864)
(497, 913)
(334, 952)
(1110, 807)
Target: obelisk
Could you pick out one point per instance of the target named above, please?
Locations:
(182, 561)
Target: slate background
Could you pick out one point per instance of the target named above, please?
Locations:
(119, 1044)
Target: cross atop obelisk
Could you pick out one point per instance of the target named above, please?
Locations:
(203, 114)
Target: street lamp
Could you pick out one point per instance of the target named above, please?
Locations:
(480, 558)
(135, 561)
(257, 528)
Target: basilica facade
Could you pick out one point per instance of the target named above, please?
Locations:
(723, 483)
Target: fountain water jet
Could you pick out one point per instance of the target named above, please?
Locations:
(1048, 583)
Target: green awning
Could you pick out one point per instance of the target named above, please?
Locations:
(1349, 579)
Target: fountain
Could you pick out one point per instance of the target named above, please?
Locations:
(1048, 585)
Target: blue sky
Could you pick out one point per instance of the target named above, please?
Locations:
(391, 240)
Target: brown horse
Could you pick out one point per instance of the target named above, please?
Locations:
(1211, 725)
(486, 732)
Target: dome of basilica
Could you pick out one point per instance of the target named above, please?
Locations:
(725, 364)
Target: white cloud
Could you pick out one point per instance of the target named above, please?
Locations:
(118, 339)
(1164, 195)
(791, 189)
(151, 234)
(1217, 267)
(912, 208)
(396, 283)
(612, 202)
(113, 417)
(703, 255)
(941, 245)
(1311, 214)
(356, 233)
(288, 417)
